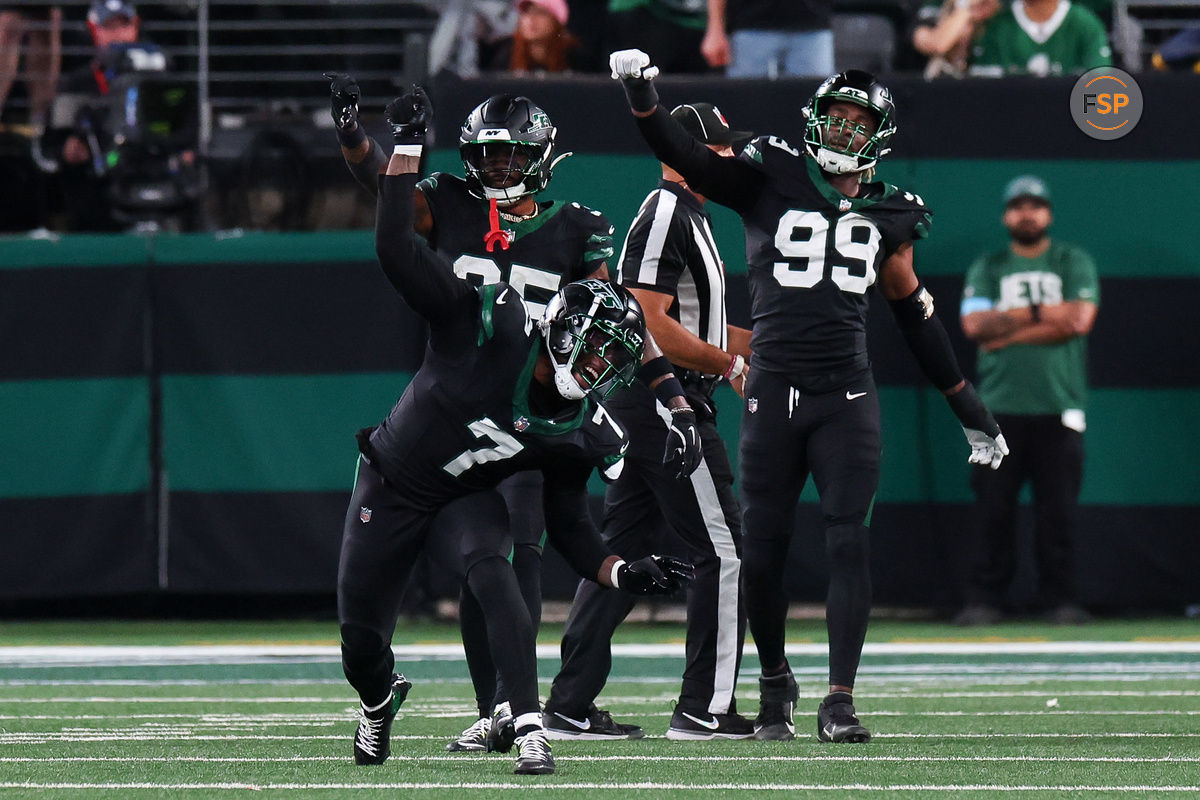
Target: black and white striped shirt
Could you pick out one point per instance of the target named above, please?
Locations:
(670, 249)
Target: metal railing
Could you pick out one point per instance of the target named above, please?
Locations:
(252, 58)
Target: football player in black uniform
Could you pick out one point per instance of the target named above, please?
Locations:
(492, 228)
(496, 394)
(819, 236)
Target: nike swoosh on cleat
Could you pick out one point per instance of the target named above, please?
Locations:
(854, 395)
(712, 724)
(582, 725)
(829, 729)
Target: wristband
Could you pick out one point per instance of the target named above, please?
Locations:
(351, 140)
(612, 576)
(413, 150)
(641, 94)
(736, 367)
(668, 389)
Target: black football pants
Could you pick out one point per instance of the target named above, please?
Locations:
(381, 539)
(1049, 456)
(648, 511)
(786, 436)
(522, 495)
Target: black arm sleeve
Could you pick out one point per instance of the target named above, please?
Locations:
(367, 171)
(926, 337)
(724, 180)
(423, 278)
(568, 522)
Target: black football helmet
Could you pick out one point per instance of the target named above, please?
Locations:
(507, 138)
(595, 332)
(860, 88)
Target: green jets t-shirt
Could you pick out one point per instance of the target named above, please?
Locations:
(1032, 378)
(685, 13)
(1073, 40)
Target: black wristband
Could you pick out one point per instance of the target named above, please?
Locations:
(641, 93)
(351, 140)
(971, 411)
(654, 369)
(669, 389)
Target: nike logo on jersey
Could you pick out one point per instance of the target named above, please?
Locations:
(500, 298)
(712, 724)
(855, 395)
(582, 725)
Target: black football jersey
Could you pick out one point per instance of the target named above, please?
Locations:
(565, 242)
(464, 422)
(813, 256)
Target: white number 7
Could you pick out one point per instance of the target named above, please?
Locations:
(504, 445)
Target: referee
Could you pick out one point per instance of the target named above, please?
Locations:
(671, 264)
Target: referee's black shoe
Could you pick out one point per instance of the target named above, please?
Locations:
(777, 702)
(836, 721)
(372, 740)
(596, 725)
(704, 726)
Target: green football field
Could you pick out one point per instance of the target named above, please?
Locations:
(148, 710)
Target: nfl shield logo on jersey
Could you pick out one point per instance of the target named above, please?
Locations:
(844, 205)
(752, 404)
(521, 423)
(364, 514)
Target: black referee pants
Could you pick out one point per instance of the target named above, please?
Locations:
(1049, 456)
(648, 511)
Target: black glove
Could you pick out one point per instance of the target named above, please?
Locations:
(653, 575)
(683, 444)
(343, 100)
(410, 115)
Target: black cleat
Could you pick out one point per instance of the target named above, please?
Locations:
(836, 721)
(533, 754)
(705, 726)
(596, 725)
(372, 740)
(777, 702)
(473, 739)
(501, 733)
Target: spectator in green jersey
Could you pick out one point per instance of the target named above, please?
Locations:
(1030, 308)
(1041, 37)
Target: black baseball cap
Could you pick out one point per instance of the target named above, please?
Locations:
(705, 122)
(104, 10)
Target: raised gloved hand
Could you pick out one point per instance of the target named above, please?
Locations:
(409, 116)
(343, 100)
(986, 448)
(684, 450)
(652, 575)
(632, 68)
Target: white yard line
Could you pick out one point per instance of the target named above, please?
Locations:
(524, 786)
(629, 758)
(169, 654)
